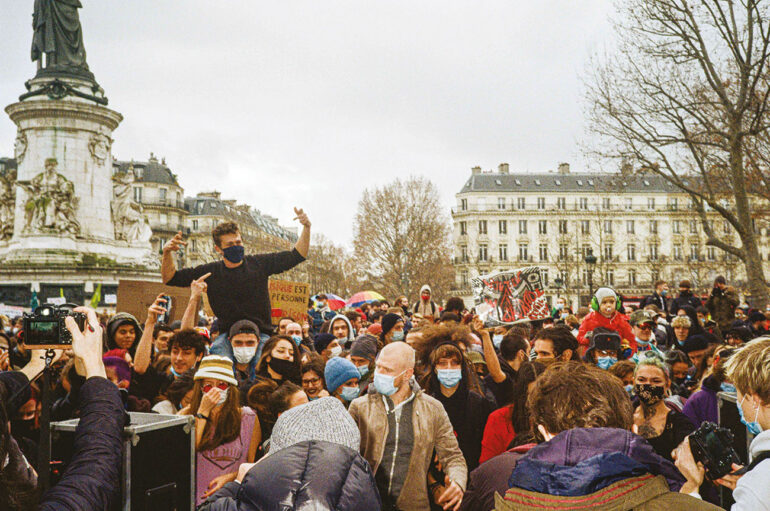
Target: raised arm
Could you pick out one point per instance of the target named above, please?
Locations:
(493, 363)
(167, 264)
(144, 348)
(197, 288)
(303, 243)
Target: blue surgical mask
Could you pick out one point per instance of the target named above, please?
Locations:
(643, 343)
(297, 339)
(383, 383)
(753, 427)
(449, 378)
(398, 335)
(605, 362)
(349, 393)
(497, 339)
(176, 374)
(559, 306)
(363, 370)
(234, 254)
(727, 387)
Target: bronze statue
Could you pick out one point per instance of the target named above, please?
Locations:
(59, 37)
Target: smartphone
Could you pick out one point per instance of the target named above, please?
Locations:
(166, 316)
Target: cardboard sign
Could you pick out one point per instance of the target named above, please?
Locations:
(288, 299)
(135, 296)
(503, 298)
(56, 300)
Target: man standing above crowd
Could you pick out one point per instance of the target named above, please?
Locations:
(686, 297)
(237, 287)
(658, 298)
(425, 306)
(722, 303)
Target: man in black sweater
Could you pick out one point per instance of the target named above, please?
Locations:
(237, 284)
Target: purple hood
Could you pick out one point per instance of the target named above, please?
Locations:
(571, 447)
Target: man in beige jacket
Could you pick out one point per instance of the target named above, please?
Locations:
(400, 427)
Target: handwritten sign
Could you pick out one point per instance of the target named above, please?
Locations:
(502, 298)
(288, 299)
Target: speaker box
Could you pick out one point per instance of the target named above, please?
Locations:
(158, 467)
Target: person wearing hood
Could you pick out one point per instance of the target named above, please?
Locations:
(747, 368)
(606, 314)
(342, 330)
(392, 329)
(448, 380)
(686, 297)
(314, 452)
(342, 379)
(123, 332)
(327, 346)
(425, 306)
(702, 406)
(363, 354)
(589, 458)
(401, 427)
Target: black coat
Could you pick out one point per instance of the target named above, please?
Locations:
(680, 301)
(312, 475)
(91, 480)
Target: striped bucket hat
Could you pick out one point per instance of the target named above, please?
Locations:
(216, 367)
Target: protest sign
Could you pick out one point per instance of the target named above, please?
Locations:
(502, 298)
(288, 299)
(135, 296)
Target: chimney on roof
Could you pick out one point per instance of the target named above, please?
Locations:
(564, 168)
(476, 170)
(502, 168)
(209, 195)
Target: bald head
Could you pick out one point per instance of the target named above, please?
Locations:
(396, 356)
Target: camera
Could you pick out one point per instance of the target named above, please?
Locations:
(713, 446)
(45, 328)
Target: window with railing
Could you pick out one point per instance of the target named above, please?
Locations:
(561, 203)
(501, 203)
(502, 226)
(583, 203)
(521, 203)
(523, 252)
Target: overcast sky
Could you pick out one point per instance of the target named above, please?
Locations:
(308, 102)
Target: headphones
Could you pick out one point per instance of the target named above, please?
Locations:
(618, 303)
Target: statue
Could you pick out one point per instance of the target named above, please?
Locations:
(7, 204)
(20, 147)
(58, 36)
(99, 146)
(51, 203)
(131, 223)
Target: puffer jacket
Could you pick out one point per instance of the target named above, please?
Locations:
(311, 475)
(617, 323)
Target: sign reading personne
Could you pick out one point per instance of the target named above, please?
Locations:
(288, 299)
(502, 298)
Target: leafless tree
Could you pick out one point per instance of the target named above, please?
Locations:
(685, 96)
(402, 239)
(326, 268)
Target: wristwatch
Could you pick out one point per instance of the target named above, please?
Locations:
(201, 416)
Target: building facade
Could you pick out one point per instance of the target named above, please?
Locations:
(639, 228)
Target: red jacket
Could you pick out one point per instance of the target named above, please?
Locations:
(498, 433)
(618, 322)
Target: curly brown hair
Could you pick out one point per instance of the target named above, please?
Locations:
(222, 229)
(439, 341)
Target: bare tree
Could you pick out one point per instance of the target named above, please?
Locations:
(325, 269)
(685, 96)
(402, 239)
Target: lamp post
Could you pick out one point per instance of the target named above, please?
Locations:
(590, 260)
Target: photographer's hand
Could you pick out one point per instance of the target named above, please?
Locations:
(87, 345)
(692, 471)
(730, 480)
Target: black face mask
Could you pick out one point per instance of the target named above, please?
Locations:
(283, 367)
(679, 381)
(24, 428)
(649, 394)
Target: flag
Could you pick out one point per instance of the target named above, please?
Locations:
(61, 292)
(96, 297)
(33, 301)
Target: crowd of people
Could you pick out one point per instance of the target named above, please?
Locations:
(411, 406)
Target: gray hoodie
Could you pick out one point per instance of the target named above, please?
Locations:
(351, 337)
(753, 489)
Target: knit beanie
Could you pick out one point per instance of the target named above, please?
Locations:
(216, 367)
(365, 347)
(604, 292)
(338, 370)
(388, 322)
(122, 369)
(374, 329)
(324, 419)
(119, 319)
(322, 341)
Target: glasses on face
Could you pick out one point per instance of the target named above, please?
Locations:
(313, 381)
(221, 386)
(645, 326)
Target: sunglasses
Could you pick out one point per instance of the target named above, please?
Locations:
(221, 386)
(644, 326)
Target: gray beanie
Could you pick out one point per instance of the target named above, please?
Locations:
(323, 419)
(365, 347)
(604, 292)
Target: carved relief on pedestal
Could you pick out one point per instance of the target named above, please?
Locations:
(99, 145)
(7, 204)
(131, 224)
(20, 147)
(51, 203)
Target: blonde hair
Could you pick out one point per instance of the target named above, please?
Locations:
(749, 368)
(681, 321)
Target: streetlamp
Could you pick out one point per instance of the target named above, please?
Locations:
(590, 260)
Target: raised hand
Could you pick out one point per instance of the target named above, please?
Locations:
(199, 286)
(302, 217)
(87, 345)
(174, 243)
(156, 309)
(209, 401)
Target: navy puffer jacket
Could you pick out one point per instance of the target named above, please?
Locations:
(307, 476)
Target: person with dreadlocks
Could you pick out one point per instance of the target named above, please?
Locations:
(450, 378)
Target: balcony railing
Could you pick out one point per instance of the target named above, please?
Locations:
(169, 203)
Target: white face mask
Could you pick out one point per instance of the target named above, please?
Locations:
(222, 397)
(335, 351)
(244, 354)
